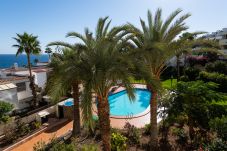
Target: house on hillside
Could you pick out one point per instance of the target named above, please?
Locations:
(14, 85)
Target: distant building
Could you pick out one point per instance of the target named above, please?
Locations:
(14, 85)
(221, 36)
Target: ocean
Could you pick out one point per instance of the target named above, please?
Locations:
(8, 60)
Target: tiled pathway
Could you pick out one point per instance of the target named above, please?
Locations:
(45, 136)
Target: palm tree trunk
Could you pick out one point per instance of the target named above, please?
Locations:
(76, 110)
(32, 84)
(104, 122)
(153, 119)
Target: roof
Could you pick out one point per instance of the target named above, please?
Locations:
(39, 71)
(43, 113)
(11, 78)
(7, 86)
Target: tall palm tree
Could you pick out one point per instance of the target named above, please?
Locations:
(66, 77)
(28, 44)
(104, 65)
(153, 44)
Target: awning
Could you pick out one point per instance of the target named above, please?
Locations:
(43, 113)
(7, 86)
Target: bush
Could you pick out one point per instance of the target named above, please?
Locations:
(219, 125)
(168, 73)
(216, 110)
(218, 66)
(63, 147)
(184, 78)
(39, 146)
(5, 107)
(132, 133)
(181, 135)
(90, 147)
(192, 73)
(10, 136)
(35, 125)
(147, 129)
(118, 142)
(216, 145)
(193, 60)
(220, 79)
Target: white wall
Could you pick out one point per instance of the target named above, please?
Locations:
(40, 79)
(10, 96)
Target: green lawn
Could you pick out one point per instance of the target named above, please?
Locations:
(132, 80)
(167, 83)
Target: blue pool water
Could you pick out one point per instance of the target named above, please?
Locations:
(68, 102)
(120, 105)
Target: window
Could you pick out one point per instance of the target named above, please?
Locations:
(21, 86)
(224, 37)
(225, 47)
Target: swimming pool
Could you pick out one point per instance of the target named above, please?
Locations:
(120, 105)
(68, 102)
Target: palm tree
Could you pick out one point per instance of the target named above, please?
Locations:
(104, 65)
(30, 45)
(153, 44)
(63, 78)
(66, 77)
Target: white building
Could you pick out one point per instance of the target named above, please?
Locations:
(221, 36)
(16, 90)
(14, 85)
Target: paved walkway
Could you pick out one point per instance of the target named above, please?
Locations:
(45, 136)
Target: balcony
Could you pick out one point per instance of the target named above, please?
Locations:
(223, 42)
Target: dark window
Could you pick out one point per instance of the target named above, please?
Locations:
(225, 46)
(21, 86)
(224, 37)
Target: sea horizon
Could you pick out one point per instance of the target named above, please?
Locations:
(8, 60)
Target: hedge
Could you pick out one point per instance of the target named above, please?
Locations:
(220, 79)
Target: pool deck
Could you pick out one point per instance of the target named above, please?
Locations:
(138, 120)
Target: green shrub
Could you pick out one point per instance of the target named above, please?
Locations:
(35, 125)
(63, 147)
(181, 135)
(132, 133)
(184, 78)
(90, 147)
(40, 146)
(216, 110)
(147, 129)
(118, 142)
(219, 125)
(5, 107)
(216, 145)
(22, 129)
(181, 120)
(220, 79)
(218, 66)
(192, 73)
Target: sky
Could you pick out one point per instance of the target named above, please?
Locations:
(50, 20)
